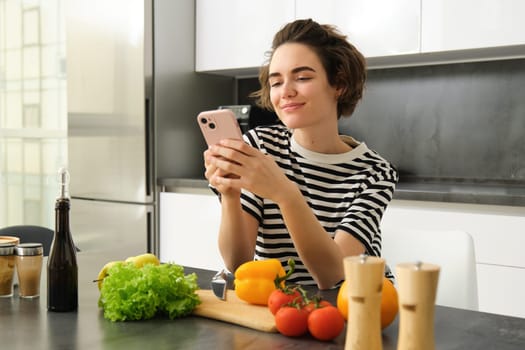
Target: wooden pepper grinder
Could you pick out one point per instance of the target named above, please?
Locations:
(417, 295)
(365, 283)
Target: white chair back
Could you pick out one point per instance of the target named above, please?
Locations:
(452, 250)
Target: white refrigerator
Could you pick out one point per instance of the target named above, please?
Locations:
(110, 125)
(133, 97)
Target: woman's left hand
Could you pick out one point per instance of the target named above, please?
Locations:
(255, 171)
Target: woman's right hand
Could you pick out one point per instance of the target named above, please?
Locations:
(212, 173)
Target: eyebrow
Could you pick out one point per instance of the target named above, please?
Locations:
(294, 71)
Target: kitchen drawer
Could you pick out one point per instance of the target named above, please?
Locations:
(498, 231)
(500, 290)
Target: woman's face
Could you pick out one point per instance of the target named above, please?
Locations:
(299, 88)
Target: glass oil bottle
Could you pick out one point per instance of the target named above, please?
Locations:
(62, 268)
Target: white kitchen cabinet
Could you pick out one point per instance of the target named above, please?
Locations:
(189, 224)
(375, 27)
(235, 34)
(468, 24)
(498, 231)
(499, 237)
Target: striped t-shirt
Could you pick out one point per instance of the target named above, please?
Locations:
(348, 192)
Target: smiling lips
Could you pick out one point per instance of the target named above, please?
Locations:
(290, 107)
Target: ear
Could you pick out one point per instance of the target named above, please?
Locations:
(339, 92)
(340, 84)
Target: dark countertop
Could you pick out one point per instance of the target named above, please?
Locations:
(456, 191)
(26, 324)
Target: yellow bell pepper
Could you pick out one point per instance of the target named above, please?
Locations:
(256, 280)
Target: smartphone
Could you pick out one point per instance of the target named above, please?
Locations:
(219, 124)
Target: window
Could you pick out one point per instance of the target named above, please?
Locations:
(33, 115)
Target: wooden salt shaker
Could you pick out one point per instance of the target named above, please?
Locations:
(417, 295)
(364, 275)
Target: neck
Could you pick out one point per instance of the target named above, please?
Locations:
(327, 142)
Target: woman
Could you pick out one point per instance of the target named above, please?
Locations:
(300, 190)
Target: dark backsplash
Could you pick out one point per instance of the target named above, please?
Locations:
(457, 122)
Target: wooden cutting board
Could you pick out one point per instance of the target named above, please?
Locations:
(234, 310)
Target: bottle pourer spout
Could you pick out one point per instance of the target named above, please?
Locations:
(63, 181)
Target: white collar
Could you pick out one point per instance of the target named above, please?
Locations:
(358, 148)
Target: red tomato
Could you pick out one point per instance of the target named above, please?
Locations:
(279, 298)
(291, 321)
(326, 323)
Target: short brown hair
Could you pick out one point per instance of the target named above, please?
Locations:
(345, 66)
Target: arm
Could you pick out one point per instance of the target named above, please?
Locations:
(322, 255)
(237, 233)
(237, 230)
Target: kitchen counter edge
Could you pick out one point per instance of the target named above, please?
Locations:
(507, 195)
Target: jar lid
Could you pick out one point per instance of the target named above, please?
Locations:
(9, 239)
(7, 248)
(29, 249)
